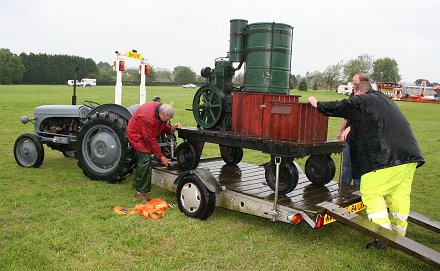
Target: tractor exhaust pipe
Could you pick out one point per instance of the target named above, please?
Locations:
(74, 86)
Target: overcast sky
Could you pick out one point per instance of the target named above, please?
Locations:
(194, 33)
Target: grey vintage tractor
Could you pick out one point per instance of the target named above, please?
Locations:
(95, 134)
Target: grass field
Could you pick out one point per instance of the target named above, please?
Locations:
(54, 218)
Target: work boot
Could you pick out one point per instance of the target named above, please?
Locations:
(141, 196)
(376, 244)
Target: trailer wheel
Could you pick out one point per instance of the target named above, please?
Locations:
(231, 155)
(28, 151)
(320, 169)
(194, 199)
(288, 178)
(187, 157)
(104, 152)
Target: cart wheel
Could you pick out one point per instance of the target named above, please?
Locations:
(320, 169)
(187, 157)
(194, 199)
(288, 178)
(231, 155)
(28, 151)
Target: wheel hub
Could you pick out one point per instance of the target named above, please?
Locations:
(29, 152)
(101, 149)
(190, 197)
(104, 149)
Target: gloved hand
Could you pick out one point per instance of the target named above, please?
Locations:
(164, 161)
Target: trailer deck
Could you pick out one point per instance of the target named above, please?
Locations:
(245, 185)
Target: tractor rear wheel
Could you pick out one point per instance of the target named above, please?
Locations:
(103, 150)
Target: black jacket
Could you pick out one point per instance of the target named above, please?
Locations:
(381, 137)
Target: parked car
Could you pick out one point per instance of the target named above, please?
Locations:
(188, 86)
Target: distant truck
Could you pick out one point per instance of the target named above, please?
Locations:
(85, 82)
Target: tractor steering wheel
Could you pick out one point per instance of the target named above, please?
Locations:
(90, 104)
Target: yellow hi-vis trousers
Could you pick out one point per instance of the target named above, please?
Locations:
(394, 185)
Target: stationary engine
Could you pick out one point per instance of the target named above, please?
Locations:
(265, 51)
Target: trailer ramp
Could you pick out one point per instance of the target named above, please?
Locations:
(411, 247)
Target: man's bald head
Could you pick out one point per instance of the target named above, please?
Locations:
(362, 87)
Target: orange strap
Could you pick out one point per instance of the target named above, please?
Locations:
(155, 209)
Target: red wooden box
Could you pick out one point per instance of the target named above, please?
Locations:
(275, 116)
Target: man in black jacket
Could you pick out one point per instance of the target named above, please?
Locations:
(384, 153)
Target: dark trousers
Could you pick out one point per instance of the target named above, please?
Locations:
(347, 176)
(142, 181)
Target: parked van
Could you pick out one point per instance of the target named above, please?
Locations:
(345, 89)
(87, 82)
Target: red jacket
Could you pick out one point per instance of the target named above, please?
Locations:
(144, 127)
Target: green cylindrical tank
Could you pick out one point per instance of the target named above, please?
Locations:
(268, 57)
(237, 39)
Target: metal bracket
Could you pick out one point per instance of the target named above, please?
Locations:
(275, 213)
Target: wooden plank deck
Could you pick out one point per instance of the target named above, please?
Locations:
(249, 179)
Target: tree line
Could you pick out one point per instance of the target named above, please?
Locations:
(380, 70)
(58, 69)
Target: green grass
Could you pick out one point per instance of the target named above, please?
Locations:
(54, 218)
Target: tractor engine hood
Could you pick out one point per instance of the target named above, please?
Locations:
(72, 111)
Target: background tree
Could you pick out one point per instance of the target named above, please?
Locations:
(11, 67)
(303, 84)
(106, 77)
(418, 82)
(184, 75)
(293, 81)
(164, 74)
(56, 69)
(132, 77)
(104, 66)
(385, 70)
(332, 75)
(361, 64)
(316, 80)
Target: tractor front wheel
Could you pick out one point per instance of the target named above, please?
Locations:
(28, 151)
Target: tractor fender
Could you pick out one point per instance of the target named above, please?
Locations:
(211, 183)
(115, 108)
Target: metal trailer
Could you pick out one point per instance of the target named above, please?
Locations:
(243, 188)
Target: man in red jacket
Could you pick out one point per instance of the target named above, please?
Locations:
(146, 124)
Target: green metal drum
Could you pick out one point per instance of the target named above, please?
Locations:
(237, 39)
(268, 57)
